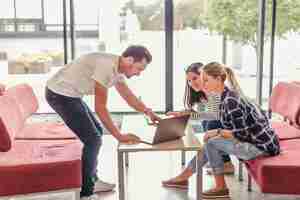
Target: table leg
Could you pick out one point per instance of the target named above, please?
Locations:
(240, 170)
(199, 177)
(126, 159)
(183, 158)
(121, 175)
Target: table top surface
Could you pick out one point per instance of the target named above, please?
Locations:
(137, 125)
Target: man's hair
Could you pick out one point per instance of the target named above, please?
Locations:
(138, 53)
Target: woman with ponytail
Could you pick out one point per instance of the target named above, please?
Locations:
(246, 131)
(196, 102)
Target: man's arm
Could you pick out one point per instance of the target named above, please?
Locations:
(101, 110)
(130, 97)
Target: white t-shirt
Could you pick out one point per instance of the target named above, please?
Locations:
(78, 78)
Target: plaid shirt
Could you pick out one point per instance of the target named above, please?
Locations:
(247, 122)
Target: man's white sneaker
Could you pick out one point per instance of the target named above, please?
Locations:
(92, 197)
(101, 186)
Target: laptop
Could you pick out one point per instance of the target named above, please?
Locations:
(167, 129)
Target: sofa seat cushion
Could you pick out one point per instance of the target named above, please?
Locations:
(279, 174)
(40, 166)
(45, 131)
(285, 131)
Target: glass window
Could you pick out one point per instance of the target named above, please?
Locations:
(119, 24)
(286, 46)
(53, 14)
(6, 9)
(193, 42)
(32, 11)
(35, 58)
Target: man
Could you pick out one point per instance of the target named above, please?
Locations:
(95, 73)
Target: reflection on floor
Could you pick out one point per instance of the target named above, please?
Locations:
(147, 170)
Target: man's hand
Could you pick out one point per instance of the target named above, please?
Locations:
(129, 139)
(153, 117)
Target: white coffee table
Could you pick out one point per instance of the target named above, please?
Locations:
(137, 125)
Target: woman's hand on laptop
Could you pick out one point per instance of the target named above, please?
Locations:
(129, 139)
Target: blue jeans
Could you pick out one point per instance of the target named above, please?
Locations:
(209, 125)
(80, 119)
(216, 147)
(214, 124)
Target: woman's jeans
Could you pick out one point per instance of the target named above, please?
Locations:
(217, 150)
(80, 119)
(208, 125)
(214, 148)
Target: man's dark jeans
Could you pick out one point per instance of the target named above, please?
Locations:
(80, 119)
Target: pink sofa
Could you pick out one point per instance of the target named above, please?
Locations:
(28, 104)
(281, 174)
(37, 157)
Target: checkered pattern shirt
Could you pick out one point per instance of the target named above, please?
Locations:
(247, 122)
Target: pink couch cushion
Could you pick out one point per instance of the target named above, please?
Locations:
(285, 131)
(45, 131)
(25, 98)
(285, 100)
(5, 142)
(279, 174)
(11, 119)
(40, 166)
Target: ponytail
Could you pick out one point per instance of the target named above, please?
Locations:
(236, 87)
(230, 76)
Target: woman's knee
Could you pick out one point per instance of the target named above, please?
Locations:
(211, 144)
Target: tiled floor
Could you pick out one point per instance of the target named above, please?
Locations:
(147, 170)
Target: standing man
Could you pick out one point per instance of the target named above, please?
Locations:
(94, 74)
